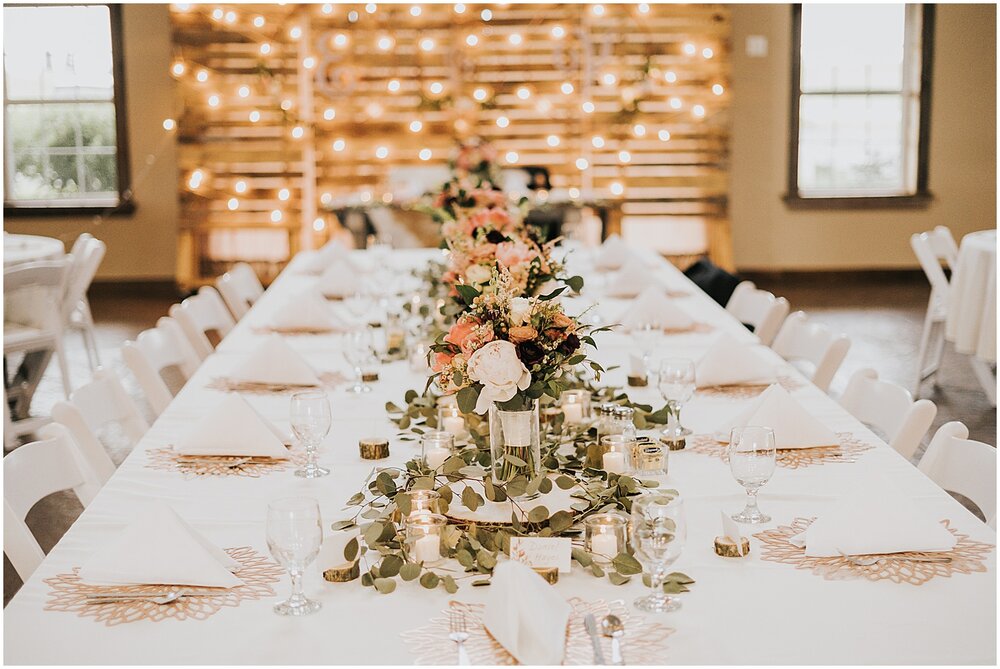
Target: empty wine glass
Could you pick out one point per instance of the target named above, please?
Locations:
(647, 336)
(310, 418)
(675, 380)
(659, 530)
(294, 536)
(752, 460)
(359, 353)
(357, 303)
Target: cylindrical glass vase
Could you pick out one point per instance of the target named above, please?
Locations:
(514, 443)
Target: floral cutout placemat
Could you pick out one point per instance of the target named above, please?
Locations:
(746, 392)
(327, 380)
(168, 459)
(848, 450)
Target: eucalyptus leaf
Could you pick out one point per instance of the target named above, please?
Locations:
(538, 514)
(385, 585)
(351, 550)
(390, 566)
(409, 571)
(430, 580)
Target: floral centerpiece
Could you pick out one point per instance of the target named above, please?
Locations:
(477, 160)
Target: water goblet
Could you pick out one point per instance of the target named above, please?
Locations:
(675, 381)
(658, 536)
(358, 353)
(357, 303)
(752, 459)
(294, 536)
(647, 336)
(310, 418)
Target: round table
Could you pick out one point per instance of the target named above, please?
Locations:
(972, 310)
(19, 249)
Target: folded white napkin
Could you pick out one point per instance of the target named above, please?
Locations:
(339, 280)
(526, 615)
(874, 520)
(307, 310)
(234, 428)
(275, 362)
(793, 426)
(613, 253)
(633, 279)
(159, 548)
(334, 252)
(654, 307)
(730, 362)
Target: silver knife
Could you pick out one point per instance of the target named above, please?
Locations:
(591, 624)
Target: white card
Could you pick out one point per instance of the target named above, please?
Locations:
(731, 529)
(542, 552)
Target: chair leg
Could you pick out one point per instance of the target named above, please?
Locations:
(90, 339)
(63, 367)
(925, 338)
(987, 379)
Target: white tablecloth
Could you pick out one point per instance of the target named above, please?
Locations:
(739, 611)
(972, 306)
(30, 248)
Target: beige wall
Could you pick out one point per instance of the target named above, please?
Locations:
(962, 172)
(141, 246)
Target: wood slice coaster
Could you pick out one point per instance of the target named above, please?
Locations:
(790, 458)
(741, 392)
(167, 459)
(327, 380)
(257, 572)
(645, 643)
(966, 557)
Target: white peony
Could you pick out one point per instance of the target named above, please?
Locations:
(520, 309)
(501, 372)
(478, 274)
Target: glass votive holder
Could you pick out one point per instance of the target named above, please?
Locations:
(420, 352)
(424, 501)
(575, 406)
(652, 459)
(436, 447)
(424, 532)
(450, 419)
(604, 536)
(616, 453)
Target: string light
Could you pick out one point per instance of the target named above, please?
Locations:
(295, 32)
(319, 225)
(588, 107)
(511, 156)
(374, 110)
(393, 86)
(382, 152)
(598, 10)
(416, 126)
(327, 8)
(297, 132)
(617, 188)
(436, 88)
(643, 8)
(552, 140)
(566, 88)
(385, 42)
(515, 39)
(169, 124)
(309, 62)
(486, 15)
(582, 164)
(675, 103)
(258, 22)
(718, 89)
(233, 204)
(574, 193)
(286, 104)
(240, 186)
(416, 10)
(194, 182)
(670, 76)
(597, 141)
(276, 216)
(689, 49)
(503, 121)
(217, 14)
(427, 44)
(698, 111)
(609, 79)
(254, 116)
(353, 16)
(340, 40)
(329, 114)
(523, 92)
(459, 8)
(707, 53)
(544, 106)
(366, 196)
(265, 49)
(425, 154)
(213, 100)
(480, 94)
(202, 76)
(230, 17)
(326, 198)
(284, 194)
(244, 91)
(472, 40)
(624, 157)
(371, 8)
(664, 135)
(558, 32)
(386, 197)
(639, 130)
(178, 68)
(339, 145)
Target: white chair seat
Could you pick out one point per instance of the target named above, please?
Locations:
(963, 466)
(811, 348)
(889, 410)
(17, 337)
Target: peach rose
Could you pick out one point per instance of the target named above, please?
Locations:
(522, 333)
(514, 253)
(441, 360)
(461, 331)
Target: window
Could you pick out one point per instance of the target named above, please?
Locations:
(860, 104)
(64, 123)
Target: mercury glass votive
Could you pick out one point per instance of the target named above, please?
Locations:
(652, 459)
(450, 419)
(575, 406)
(424, 532)
(436, 447)
(604, 536)
(616, 453)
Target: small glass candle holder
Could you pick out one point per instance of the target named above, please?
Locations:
(575, 406)
(450, 419)
(604, 536)
(420, 357)
(424, 532)
(616, 453)
(424, 501)
(652, 459)
(436, 447)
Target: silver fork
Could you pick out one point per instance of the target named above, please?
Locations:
(459, 634)
(165, 598)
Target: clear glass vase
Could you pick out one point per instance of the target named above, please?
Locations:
(514, 443)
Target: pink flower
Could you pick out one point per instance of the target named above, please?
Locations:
(441, 360)
(514, 253)
(461, 331)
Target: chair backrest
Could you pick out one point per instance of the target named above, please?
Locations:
(961, 465)
(715, 281)
(758, 308)
(890, 408)
(240, 288)
(945, 246)
(40, 285)
(32, 472)
(155, 350)
(928, 247)
(201, 314)
(86, 257)
(93, 406)
(800, 340)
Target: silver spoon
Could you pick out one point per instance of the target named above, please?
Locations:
(612, 627)
(160, 600)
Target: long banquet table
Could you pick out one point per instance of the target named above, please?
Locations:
(737, 612)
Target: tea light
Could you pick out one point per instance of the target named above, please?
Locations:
(423, 536)
(617, 452)
(374, 448)
(604, 536)
(575, 406)
(437, 447)
(614, 462)
(424, 501)
(450, 419)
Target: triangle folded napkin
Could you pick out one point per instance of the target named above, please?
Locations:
(873, 521)
(307, 310)
(339, 280)
(234, 428)
(654, 307)
(159, 548)
(274, 362)
(526, 615)
(613, 253)
(793, 426)
(729, 362)
(630, 281)
(334, 252)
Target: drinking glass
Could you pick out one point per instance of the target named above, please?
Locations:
(647, 336)
(359, 353)
(675, 380)
(752, 460)
(357, 303)
(659, 529)
(294, 536)
(310, 418)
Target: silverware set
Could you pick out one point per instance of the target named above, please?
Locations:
(612, 627)
(161, 598)
(868, 561)
(459, 633)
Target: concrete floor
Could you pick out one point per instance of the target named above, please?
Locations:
(883, 317)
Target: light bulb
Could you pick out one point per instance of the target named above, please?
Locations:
(265, 49)
(295, 32)
(707, 53)
(480, 94)
(718, 89)
(675, 103)
(371, 7)
(416, 10)
(202, 76)
(544, 106)
(297, 132)
(329, 114)
(327, 8)
(598, 10)
(582, 164)
(416, 126)
(217, 14)
(284, 194)
(624, 157)
(244, 91)
(588, 107)
(385, 43)
(698, 111)
(276, 216)
(240, 187)
(639, 130)
(169, 124)
(486, 15)
(393, 86)
(617, 188)
(340, 40)
(552, 140)
(574, 193)
(643, 8)
(233, 204)
(608, 79)
(326, 198)
(258, 22)
(339, 145)
(213, 100)
(503, 121)
(689, 49)
(309, 62)
(353, 16)
(664, 135)
(437, 88)
(566, 88)
(472, 40)
(515, 39)
(459, 8)
(597, 141)
(524, 92)
(511, 156)
(366, 197)
(425, 154)
(230, 17)
(319, 225)
(178, 68)
(558, 32)
(254, 116)
(670, 76)
(374, 110)
(382, 152)
(427, 44)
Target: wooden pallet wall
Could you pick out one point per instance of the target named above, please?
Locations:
(648, 70)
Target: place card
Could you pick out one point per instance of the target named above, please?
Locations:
(732, 543)
(542, 552)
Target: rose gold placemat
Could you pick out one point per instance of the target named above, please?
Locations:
(848, 450)
(289, 332)
(257, 572)
(745, 392)
(645, 641)
(327, 380)
(167, 459)
(966, 557)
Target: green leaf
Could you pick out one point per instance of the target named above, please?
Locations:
(467, 398)
(565, 482)
(351, 550)
(372, 533)
(403, 504)
(514, 460)
(409, 571)
(618, 579)
(390, 566)
(678, 577)
(385, 484)
(342, 525)
(674, 588)
(583, 557)
(626, 565)
(430, 580)
(538, 514)
(467, 293)
(596, 570)
(554, 294)
(449, 585)
(486, 559)
(471, 499)
(409, 396)
(385, 585)
(575, 283)
(366, 579)
(465, 558)
(560, 520)
(480, 583)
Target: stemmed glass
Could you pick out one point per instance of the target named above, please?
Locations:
(646, 336)
(357, 303)
(659, 530)
(310, 418)
(359, 353)
(752, 458)
(675, 380)
(294, 536)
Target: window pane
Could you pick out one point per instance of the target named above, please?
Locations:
(852, 47)
(58, 53)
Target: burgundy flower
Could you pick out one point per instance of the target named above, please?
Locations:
(569, 344)
(530, 353)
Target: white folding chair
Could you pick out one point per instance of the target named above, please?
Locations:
(154, 351)
(758, 308)
(33, 472)
(240, 288)
(94, 406)
(799, 341)
(931, 248)
(200, 315)
(889, 408)
(86, 257)
(961, 465)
